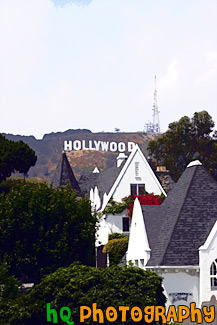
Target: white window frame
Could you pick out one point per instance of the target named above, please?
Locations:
(213, 275)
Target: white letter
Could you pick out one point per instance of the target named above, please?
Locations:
(113, 146)
(83, 145)
(104, 146)
(121, 147)
(97, 144)
(68, 145)
(90, 145)
(77, 145)
(131, 146)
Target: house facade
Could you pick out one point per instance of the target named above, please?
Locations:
(130, 176)
(178, 239)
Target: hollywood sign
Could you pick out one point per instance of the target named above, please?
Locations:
(98, 145)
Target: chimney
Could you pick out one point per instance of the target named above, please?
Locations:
(161, 169)
(121, 157)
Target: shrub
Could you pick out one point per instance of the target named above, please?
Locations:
(116, 235)
(79, 285)
(116, 248)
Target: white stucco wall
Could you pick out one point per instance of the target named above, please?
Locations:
(109, 224)
(207, 254)
(146, 177)
(181, 282)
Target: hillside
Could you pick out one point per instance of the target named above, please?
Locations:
(49, 149)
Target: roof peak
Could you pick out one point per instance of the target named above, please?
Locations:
(64, 175)
(194, 163)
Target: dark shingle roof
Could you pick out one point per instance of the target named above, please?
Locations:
(64, 175)
(178, 227)
(88, 181)
(103, 180)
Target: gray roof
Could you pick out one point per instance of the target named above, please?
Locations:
(103, 180)
(64, 175)
(178, 227)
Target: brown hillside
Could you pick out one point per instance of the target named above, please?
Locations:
(49, 149)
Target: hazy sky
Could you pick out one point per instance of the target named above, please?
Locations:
(64, 65)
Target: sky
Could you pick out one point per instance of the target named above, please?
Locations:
(69, 64)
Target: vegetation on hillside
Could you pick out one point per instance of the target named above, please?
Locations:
(49, 150)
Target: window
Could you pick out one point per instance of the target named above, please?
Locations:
(126, 224)
(137, 189)
(142, 262)
(213, 275)
(137, 169)
(136, 263)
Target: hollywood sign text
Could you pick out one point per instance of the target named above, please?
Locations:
(98, 145)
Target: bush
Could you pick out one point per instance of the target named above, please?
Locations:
(42, 229)
(116, 235)
(80, 285)
(116, 248)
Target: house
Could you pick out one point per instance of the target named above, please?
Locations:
(178, 239)
(130, 176)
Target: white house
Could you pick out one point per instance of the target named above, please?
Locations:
(129, 177)
(178, 239)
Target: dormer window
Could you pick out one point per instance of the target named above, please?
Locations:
(213, 275)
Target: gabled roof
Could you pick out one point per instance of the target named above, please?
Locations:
(125, 167)
(103, 180)
(177, 228)
(108, 180)
(64, 175)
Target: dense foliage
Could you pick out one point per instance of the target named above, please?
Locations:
(10, 287)
(116, 247)
(16, 183)
(42, 229)
(80, 285)
(117, 207)
(127, 203)
(116, 235)
(186, 140)
(15, 156)
(147, 199)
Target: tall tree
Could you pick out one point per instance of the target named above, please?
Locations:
(15, 156)
(42, 229)
(186, 140)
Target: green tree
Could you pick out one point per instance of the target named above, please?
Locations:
(42, 229)
(15, 156)
(79, 285)
(186, 140)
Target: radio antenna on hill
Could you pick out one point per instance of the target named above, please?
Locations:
(154, 127)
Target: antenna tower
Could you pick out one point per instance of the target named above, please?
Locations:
(156, 121)
(154, 127)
